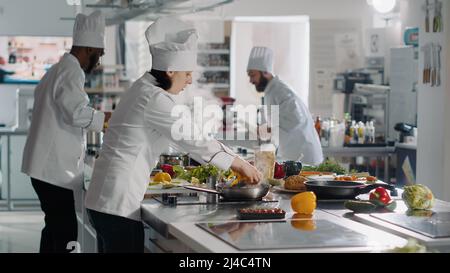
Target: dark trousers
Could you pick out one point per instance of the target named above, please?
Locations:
(116, 234)
(58, 205)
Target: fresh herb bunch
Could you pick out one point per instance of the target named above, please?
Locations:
(326, 166)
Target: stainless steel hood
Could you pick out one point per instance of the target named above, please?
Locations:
(118, 11)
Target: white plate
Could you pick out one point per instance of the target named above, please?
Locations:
(321, 177)
(282, 189)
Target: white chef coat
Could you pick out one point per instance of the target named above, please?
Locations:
(54, 150)
(296, 131)
(139, 131)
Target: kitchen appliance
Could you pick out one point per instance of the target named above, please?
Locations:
(436, 225)
(305, 233)
(181, 159)
(343, 189)
(345, 82)
(405, 130)
(236, 193)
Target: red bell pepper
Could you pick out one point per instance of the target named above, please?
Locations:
(168, 169)
(380, 195)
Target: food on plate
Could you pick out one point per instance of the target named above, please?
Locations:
(313, 173)
(418, 197)
(162, 177)
(276, 182)
(295, 182)
(346, 178)
(327, 166)
(200, 173)
(366, 179)
(304, 202)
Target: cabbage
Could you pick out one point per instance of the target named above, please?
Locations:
(418, 197)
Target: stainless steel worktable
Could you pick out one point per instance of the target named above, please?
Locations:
(178, 224)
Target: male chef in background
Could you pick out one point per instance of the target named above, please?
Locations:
(298, 138)
(54, 152)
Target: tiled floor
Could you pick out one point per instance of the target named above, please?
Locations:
(20, 231)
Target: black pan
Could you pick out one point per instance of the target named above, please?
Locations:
(343, 189)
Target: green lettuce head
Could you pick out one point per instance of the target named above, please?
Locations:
(418, 197)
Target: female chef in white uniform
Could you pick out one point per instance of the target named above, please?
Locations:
(139, 131)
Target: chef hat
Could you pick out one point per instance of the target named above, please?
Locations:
(89, 31)
(173, 45)
(261, 58)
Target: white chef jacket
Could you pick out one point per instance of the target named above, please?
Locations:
(139, 131)
(54, 150)
(296, 131)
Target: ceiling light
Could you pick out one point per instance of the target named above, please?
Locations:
(384, 6)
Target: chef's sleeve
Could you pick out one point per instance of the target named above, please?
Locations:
(159, 116)
(72, 103)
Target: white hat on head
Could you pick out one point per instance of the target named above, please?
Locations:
(89, 31)
(173, 45)
(261, 58)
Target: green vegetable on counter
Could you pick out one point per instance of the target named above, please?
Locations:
(326, 166)
(360, 206)
(201, 173)
(418, 197)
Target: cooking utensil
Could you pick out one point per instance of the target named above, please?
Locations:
(433, 65)
(247, 192)
(94, 140)
(437, 20)
(438, 65)
(343, 189)
(427, 18)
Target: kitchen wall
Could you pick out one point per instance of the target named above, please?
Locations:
(344, 16)
(433, 148)
(35, 18)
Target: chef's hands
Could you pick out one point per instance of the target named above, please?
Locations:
(246, 170)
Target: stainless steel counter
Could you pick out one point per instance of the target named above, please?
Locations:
(7, 133)
(179, 223)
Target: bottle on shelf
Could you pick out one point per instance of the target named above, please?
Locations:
(352, 132)
(318, 126)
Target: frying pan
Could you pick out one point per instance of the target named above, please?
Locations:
(343, 189)
(238, 193)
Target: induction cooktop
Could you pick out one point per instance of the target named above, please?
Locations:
(251, 235)
(435, 225)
